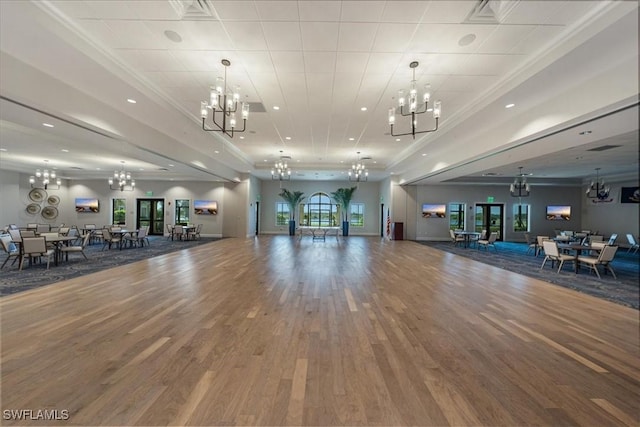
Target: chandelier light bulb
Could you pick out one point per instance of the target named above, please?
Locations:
(245, 111)
(38, 173)
(392, 116)
(32, 179)
(204, 111)
(220, 85)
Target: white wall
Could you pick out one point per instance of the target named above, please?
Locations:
(613, 217)
(541, 196)
(367, 193)
(15, 188)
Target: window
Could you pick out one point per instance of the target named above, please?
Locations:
(456, 216)
(357, 214)
(182, 211)
(119, 213)
(320, 211)
(521, 218)
(282, 213)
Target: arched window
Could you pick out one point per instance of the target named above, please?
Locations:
(320, 211)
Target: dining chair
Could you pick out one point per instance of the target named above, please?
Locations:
(35, 248)
(531, 244)
(539, 240)
(170, 231)
(490, 242)
(456, 238)
(32, 225)
(552, 253)
(15, 234)
(612, 239)
(178, 232)
(110, 239)
(633, 243)
(27, 233)
(606, 256)
(194, 234)
(76, 248)
(43, 228)
(11, 250)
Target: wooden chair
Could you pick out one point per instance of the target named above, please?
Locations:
(552, 253)
(606, 256)
(35, 247)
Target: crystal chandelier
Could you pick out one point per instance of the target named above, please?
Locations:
(520, 187)
(281, 170)
(223, 103)
(44, 178)
(122, 179)
(597, 189)
(411, 106)
(358, 171)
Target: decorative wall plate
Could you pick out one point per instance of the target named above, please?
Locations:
(49, 212)
(37, 194)
(33, 208)
(53, 200)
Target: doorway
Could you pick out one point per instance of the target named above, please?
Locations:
(489, 217)
(257, 216)
(151, 212)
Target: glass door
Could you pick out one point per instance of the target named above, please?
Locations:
(489, 217)
(151, 212)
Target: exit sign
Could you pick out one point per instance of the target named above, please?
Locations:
(149, 193)
(490, 199)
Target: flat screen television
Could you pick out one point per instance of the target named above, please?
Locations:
(89, 204)
(430, 210)
(205, 207)
(558, 213)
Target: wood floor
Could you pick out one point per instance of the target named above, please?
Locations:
(272, 331)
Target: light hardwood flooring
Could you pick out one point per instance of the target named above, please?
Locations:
(276, 331)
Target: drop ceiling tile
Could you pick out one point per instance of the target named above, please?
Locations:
(319, 11)
(180, 79)
(134, 35)
(196, 60)
(404, 11)
(257, 62)
(537, 39)
(277, 10)
(465, 83)
(351, 62)
(445, 38)
(356, 37)
(153, 9)
(320, 62)
(504, 38)
(246, 36)
(288, 62)
(320, 35)
(495, 65)
(362, 11)
(393, 37)
(448, 12)
(236, 10)
(383, 63)
(116, 9)
(282, 35)
(535, 12)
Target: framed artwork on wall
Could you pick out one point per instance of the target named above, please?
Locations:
(430, 210)
(630, 195)
(205, 207)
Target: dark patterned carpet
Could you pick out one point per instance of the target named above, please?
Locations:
(513, 257)
(12, 280)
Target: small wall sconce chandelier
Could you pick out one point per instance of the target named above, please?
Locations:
(122, 179)
(281, 170)
(224, 102)
(414, 107)
(520, 187)
(44, 178)
(358, 171)
(597, 189)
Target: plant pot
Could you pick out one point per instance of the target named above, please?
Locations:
(345, 228)
(292, 227)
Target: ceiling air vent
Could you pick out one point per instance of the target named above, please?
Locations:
(490, 11)
(256, 107)
(193, 9)
(604, 148)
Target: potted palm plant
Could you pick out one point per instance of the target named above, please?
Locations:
(343, 196)
(292, 199)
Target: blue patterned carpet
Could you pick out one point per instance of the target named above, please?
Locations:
(12, 280)
(513, 257)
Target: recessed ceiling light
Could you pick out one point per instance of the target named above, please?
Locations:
(298, 160)
(131, 101)
(397, 139)
(3, 149)
(585, 132)
(265, 160)
(49, 125)
(351, 139)
(98, 169)
(141, 169)
(170, 165)
(509, 105)
(242, 137)
(363, 109)
(429, 109)
(341, 161)
(275, 107)
(424, 154)
(217, 152)
(64, 150)
(287, 138)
